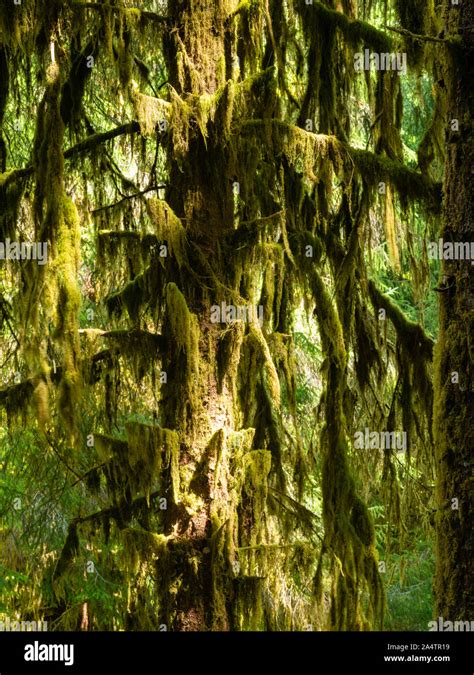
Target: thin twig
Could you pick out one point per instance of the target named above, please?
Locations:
(127, 197)
(420, 38)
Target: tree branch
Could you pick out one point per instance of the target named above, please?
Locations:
(127, 197)
(422, 38)
(373, 168)
(95, 139)
(83, 146)
(410, 331)
(145, 14)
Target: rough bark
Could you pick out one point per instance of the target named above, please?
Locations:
(454, 399)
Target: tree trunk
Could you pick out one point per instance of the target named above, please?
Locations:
(454, 382)
(201, 404)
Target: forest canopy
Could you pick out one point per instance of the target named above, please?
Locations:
(235, 314)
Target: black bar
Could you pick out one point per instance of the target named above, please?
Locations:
(224, 653)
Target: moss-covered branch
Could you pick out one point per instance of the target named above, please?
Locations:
(96, 139)
(145, 339)
(292, 140)
(412, 333)
(15, 396)
(451, 40)
(410, 184)
(87, 144)
(354, 31)
(135, 195)
(141, 13)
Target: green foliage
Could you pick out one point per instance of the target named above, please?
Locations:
(410, 602)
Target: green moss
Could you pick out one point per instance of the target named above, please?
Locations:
(5, 177)
(150, 112)
(416, 16)
(409, 331)
(270, 375)
(169, 229)
(410, 185)
(184, 327)
(348, 528)
(142, 548)
(154, 450)
(356, 32)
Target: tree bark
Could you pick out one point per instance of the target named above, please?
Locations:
(453, 405)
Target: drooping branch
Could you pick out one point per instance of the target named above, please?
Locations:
(96, 139)
(135, 195)
(353, 29)
(85, 145)
(373, 168)
(413, 332)
(21, 391)
(139, 336)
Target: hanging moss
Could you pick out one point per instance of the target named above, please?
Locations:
(346, 519)
(417, 16)
(69, 550)
(183, 326)
(150, 112)
(153, 450)
(390, 230)
(169, 229)
(16, 397)
(148, 458)
(142, 547)
(123, 52)
(228, 355)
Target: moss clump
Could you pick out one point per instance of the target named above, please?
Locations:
(150, 112)
(169, 229)
(184, 327)
(142, 548)
(154, 451)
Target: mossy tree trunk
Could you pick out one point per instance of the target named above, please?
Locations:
(454, 355)
(201, 399)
